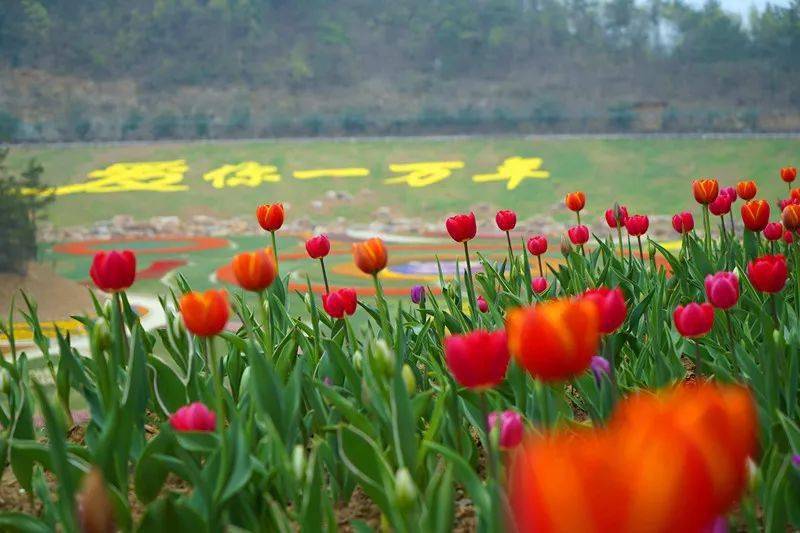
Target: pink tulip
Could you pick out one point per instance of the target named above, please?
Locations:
(722, 289)
(193, 417)
(510, 427)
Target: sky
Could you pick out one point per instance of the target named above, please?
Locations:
(742, 7)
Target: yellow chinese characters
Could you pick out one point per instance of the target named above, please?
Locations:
(248, 174)
(513, 170)
(423, 174)
(156, 176)
(356, 172)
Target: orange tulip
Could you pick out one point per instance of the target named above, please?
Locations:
(205, 314)
(705, 190)
(254, 271)
(370, 256)
(755, 215)
(575, 201)
(788, 174)
(670, 461)
(746, 190)
(270, 216)
(555, 340)
(791, 217)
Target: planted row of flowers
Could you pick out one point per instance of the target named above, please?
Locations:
(607, 394)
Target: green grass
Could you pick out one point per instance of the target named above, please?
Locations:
(650, 175)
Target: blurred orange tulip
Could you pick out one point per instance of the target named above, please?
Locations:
(254, 271)
(370, 256)
(575, 201)
(671, 461)
(705, 190)
(554, 340)
(205, 314)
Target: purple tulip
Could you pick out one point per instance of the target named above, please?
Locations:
(600, 367)
(418, 294)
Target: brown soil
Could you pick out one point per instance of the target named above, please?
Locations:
(57, 297)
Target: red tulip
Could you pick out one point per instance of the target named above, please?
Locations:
(755, 215)
(537, 245)
(768, 273)
(788, 174)
(683, 222)
(318, 246)
(479, 359)
(193, 417)
(617, 213)
(705, 190)
(611, 307)
(746, 190)
(722, 289)
(693, 320)
(637, 225)
(270, 216)
(205, 314)
(506, 220)
(773, 231)
(483, 305)
(721, 205)
(783, 202)
(340, 302)
(254, 271)
(791, 217)
(575, 201)
(113, 271)
(539, 284)
(788, 237)
(578, 234)
(794, 194)
(509, 428)
(461, 227)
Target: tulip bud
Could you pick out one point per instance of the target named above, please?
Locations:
(384, 357)
(418, 294)
(409, 380)
(483, 305)
(508, 426)
(753, 476)
(358, 358)
(566, 247)
(600, 367)
(299, 462)
(404, 488)
(307, 299)
(539, 284)
(101, 334)
(5, 381)
(95, 511)
(108, 308)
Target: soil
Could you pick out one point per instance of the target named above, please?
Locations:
(56, 297)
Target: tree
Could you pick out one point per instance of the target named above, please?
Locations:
(20, 209)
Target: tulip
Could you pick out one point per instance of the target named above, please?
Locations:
(418, 294)
(746, 190)
(483, 305)
(705, 190)
(773, 231)
(575, 201)
(796, 460)
(637, 225)
(318, 246)
(270, 218)
(370, 256)
(693, 320)
(791, 217)
(794, 194)
(788, 174)
(579, 235)
(539, 284)
(722, 289)
(506, 220)
(461, 228)
(721, 205)
(405, 490)
(730, 192)
(205, 314)
(477, 360)
(254, 271)
(611, 307)
(616, 216)
(768, 273)
(509, 428)
(755, 215)
(600, 367)
(694, 440)
(537, 245)
(340, 302)
(193, 417)
(113, 271)
(683, 222)
(788, 237)
(95, 510)
(555, 340)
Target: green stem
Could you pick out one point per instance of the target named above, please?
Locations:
(541, 271)
(266, 324)
(730, 333)
(619, 235)
(510, 254)
(275, 253)
(492, 461)
(641, 251)
(219, 407)
(324, 275)
(473, 305)
(122, 334)
(707, 229)
(733, 226)
(698, 362)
